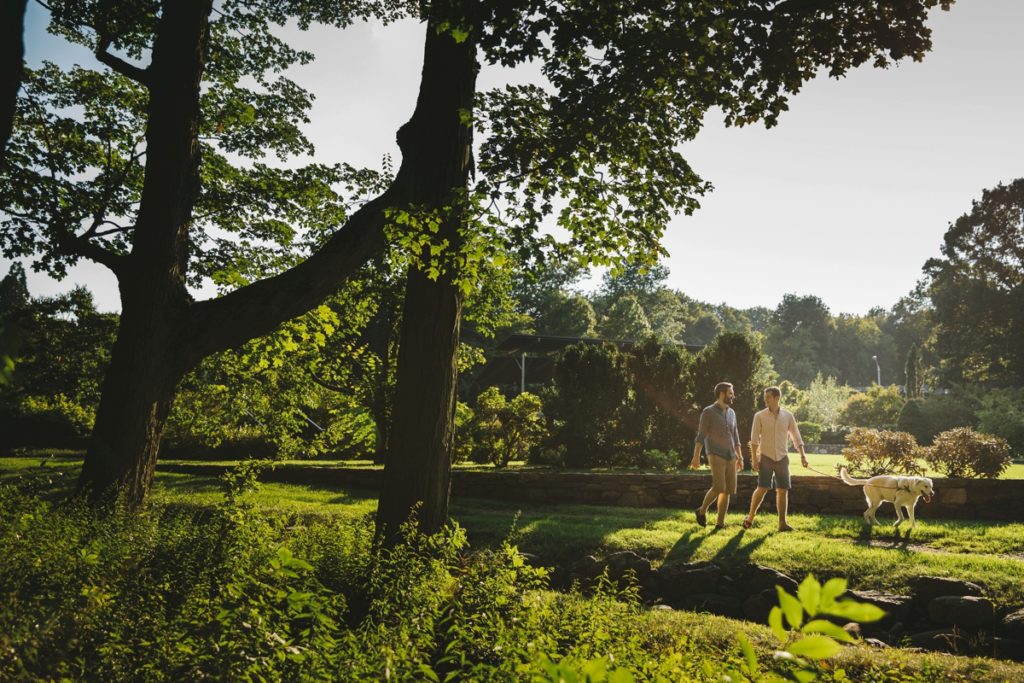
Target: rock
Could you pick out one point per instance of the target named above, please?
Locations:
(1012, 625)
(897, 607)
(621, 563)
(756, 578)
(876, 643)
(757, 607)
(1008, 648)
(677, 580)
(925, 588)
(940, 640)
(586, 569)
(715, 604)
(853, 628)
(965, 612)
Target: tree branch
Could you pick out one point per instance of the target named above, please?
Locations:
(119, 65)
(256, 309)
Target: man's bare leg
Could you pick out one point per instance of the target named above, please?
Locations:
(782, 503)
(755, 502)
(723, 507)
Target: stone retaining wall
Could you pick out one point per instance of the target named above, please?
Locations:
(955, 498)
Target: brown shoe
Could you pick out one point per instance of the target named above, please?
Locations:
(747, 522)
(702, 517)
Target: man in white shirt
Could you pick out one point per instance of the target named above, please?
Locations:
(769, 440)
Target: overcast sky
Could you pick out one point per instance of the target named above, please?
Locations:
(845, 199)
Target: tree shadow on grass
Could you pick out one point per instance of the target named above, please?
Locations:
(557, 534)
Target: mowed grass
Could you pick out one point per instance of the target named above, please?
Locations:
(877, 558)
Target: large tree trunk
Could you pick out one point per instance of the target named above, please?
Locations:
(150, 354)
(439, 145)
(12, 58)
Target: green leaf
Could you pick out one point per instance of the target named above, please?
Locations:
(815, 647)
(832, 589)
(804, 676)
(790, 607)
(748, 654)
(809, 593)
(860, 612)
(775, 621)
(459, 34)
(620, 676)
(827, 628)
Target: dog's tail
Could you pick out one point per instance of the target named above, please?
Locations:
(845, 476)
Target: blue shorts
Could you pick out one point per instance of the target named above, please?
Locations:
(772, 475)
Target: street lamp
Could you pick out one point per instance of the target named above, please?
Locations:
(878, 369)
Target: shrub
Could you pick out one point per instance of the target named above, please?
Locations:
(811, 432)
(836, 435)
(46, 421)
(873, 451)
(503, 430)
(590, 386)
(1001, 413)
(963, 452)
(879, 408)
(662, 461)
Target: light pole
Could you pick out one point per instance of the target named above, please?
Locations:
(878, 369)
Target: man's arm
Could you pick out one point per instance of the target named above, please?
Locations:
(698, 442)
(794, 432)
(755, 444)
(695, 463)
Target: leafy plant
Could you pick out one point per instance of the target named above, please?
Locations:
(872, 451)
(964, 452)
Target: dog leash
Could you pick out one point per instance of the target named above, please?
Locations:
(836, 476)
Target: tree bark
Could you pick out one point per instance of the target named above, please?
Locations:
(439, 144)
(12, 54)
(147, 360)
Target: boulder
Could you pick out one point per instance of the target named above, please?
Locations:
(963, 611)
(925, 588)
(1008, 648)
(940, 640)
(757, 607)
(897, 607)
(621, 563)
(755, 578)
(674, 581)
(586, 569)
(1012, 625)
(876, 643)
(715, 604)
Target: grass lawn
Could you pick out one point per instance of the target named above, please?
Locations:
(991, 554)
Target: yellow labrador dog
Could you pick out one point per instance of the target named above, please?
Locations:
(902, 492)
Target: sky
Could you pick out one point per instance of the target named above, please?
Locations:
(845, 199)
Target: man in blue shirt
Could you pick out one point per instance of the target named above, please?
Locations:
(718, 434)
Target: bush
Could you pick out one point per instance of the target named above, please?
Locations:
(661, 461)
(879, 408)
(963, 452)
(1001, 413)
(873, 451)
(811, 432)
(46, 421)
(503, 430)
(590, 384)
(836, 435)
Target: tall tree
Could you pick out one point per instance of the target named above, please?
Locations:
(799, 338)
(977, 290)
(912, 373)
(12, 55)
(129, 182)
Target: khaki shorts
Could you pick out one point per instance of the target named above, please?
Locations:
(723, 474)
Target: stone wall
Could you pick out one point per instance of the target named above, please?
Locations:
(955, 498)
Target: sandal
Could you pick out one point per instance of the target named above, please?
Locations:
(702, 517)
(747, 522)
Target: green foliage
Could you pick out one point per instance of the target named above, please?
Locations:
(878, 408)
(871, 451)
(912, 372)
(52, 421)
(964, 452)
(505, 430)
(625, 320)
(660, 414)
(913, 420)
(1001, 413)
(977, 289)
(589, 387)
(811, 637)
(736, 358)
(811, 432)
